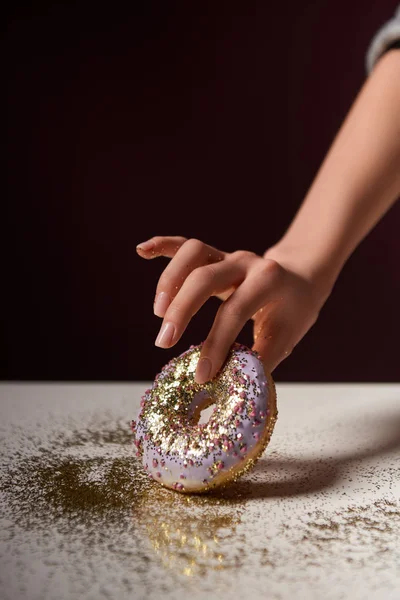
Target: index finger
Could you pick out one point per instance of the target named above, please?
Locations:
(160, 245)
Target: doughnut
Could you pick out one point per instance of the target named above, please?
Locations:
(191, 457)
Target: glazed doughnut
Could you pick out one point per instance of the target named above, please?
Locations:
(188, 456)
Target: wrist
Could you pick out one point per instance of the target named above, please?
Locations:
(321, 273)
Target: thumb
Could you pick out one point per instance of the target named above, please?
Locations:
(271, 345)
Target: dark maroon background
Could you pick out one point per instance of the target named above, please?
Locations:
(203, 119)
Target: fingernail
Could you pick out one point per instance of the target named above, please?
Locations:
(203, 370)
(146, 246)
(165, 337)
(161, 304)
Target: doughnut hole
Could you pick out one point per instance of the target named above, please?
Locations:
(206, 413)
(203, 411)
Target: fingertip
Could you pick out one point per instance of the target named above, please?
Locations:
(146, 249)
(203, 371)
(142, 253)
(166, 335)
(146, 246)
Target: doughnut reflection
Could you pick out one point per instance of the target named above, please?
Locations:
(190, 534)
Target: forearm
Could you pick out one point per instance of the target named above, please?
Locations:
(356, 184)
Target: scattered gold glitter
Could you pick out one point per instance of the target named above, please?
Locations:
(91, 495)
(86, 487)
(78, 501)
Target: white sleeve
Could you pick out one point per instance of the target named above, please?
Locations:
(385, 36)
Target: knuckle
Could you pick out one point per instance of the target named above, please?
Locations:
(195, 245)
(164, 283)
(204, 275)
(213, 350)
(233, 311)
(176, 312)
(270, 269)
(158, 239)
(242, 255)
(209, 345)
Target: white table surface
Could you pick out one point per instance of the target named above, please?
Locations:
(318, 517)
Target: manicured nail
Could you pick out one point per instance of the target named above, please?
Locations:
(161, 304)
(166, 335)
(146, 246)
(203, 370)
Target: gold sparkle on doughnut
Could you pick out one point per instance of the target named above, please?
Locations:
(173, 430)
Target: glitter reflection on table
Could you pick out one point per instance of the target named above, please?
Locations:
(319, 516)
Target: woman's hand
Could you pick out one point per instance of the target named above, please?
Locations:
(284, 290)
(283, 303)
